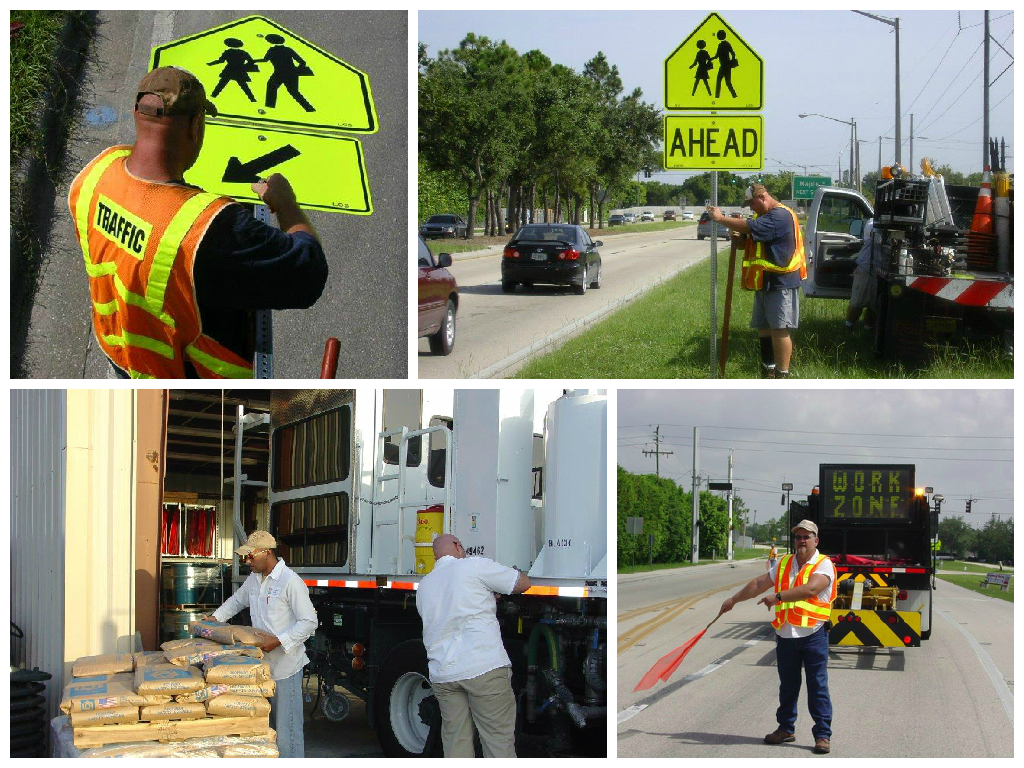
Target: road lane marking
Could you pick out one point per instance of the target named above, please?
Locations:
(1002, 689)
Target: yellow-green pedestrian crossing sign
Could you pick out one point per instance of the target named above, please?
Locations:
(327, 172)
(714, 69)
(255, 70)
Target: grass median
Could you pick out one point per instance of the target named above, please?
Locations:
(665, 335)
(738, 554)
(478, 243)
(966, 567)
(973, 583)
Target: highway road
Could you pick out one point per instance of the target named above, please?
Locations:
(495, 331)
(952, 697)
(365, 302)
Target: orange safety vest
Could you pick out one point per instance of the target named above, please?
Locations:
(801, 613)
(754, 263)
(139, 240)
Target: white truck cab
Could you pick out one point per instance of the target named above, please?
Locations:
(833, 236)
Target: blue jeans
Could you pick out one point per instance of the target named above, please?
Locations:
(810, 653)
(286, 716)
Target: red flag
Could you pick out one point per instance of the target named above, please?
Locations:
(669, 663)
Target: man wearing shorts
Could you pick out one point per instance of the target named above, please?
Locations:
(863, 294)
(773, 266)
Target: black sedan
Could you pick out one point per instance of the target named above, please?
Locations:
(443, 225)
(558, 254)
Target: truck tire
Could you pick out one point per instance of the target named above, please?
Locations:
(400, 701)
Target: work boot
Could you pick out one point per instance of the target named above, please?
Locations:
(779, 736)
(767, 371)
(822, 746)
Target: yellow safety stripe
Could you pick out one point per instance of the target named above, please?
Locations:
(138, 375)
(218, 366)
(167, 249)
(141, 302)
(105, 309)
(85, 195)
(128, 339)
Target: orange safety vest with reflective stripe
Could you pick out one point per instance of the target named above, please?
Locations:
(754, 263)
(139, 240)
(801, 613)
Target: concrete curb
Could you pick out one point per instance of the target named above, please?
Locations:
(37, 190)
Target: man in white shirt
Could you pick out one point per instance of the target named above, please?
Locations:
(278, 602)
(804, 588)
(469, 669)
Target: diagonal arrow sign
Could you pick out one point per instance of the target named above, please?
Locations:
(238, 172)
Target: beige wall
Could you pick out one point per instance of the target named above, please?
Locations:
(100, 528)
(150, 465)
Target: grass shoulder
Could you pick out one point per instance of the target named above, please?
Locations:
(738, 554)
(973, 583)
(966, 567)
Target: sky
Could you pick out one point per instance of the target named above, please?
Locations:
(961, 440)
(834, 63)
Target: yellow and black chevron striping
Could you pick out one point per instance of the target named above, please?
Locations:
(863, 577)
(881, 629)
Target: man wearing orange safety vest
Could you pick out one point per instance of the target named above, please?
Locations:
(773, 266)
(804, 586)
(174, 271)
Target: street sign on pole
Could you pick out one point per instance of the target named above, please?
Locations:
(327, 172)
(635, 525)
(714, 142)
(255, 70)
(714, 69)
(719, 486)
(804, 186)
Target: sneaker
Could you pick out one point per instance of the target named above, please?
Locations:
(781, 374)
(821, 746)
(779, 736)
(767, 371)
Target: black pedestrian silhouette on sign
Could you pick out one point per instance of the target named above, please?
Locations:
(726, 63)
(288, 68)
(703, 63)
(237, 66)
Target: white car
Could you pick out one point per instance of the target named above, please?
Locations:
(687, 216)
(647, 216)
(629, 217)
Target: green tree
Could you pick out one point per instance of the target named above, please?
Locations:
(995, 541)
(957, 537)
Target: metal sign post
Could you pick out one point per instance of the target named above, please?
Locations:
(263, 356)
(714, 279)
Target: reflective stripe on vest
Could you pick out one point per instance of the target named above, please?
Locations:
(800, 613)
(754, 264)
(150, 278)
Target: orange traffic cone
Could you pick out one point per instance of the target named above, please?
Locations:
(982, 221)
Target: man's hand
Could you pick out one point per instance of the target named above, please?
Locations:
(768, 600)
(275, 192)
(268, 642)
(715, 213)
(727, 606)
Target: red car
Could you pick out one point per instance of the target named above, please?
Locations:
(439, 300)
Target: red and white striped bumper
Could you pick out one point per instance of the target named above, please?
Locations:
(971, 293)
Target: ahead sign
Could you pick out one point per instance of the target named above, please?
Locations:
(714, 142)
(255, 70)
(714, 69)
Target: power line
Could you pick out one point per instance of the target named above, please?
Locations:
(826, 432)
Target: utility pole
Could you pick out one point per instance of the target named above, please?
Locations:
(860, 174)
(853, 148)
(984, 140)
(656, 452)
(898, 113)
(728, 555)
(696, 486)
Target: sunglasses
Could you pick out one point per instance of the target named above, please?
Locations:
(798, 538)
(251, 555)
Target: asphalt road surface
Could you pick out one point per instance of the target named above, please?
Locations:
(365, 302)
(952, 697)
(493, 326)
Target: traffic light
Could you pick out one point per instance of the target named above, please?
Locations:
(969, 506)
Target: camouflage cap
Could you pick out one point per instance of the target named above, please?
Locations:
(178, 89)
(751, 192)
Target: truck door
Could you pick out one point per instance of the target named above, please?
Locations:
(832, 240)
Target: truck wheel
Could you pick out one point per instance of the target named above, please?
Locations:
(401, 703)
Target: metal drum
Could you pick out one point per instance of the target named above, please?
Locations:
(174, 623)
(190, 584)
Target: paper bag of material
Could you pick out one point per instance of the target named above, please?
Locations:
(84, 694)
(108, 716)
(202, 651)
(237, 670)
(228, 634)
(167, 679)
(265, 689)
(230, 705)
(148, 658)
(110, 664)
(200, 746)
(250, 750)
(172, 711)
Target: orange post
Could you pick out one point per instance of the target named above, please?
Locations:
(329, 366)
(728, 310)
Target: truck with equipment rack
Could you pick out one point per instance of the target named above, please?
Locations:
(360, 483)
(878, 528)
(941, 270)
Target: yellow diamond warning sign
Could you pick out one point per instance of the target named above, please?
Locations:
(714, 69)
(254, 69)
(326, 172)
(714, 142)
